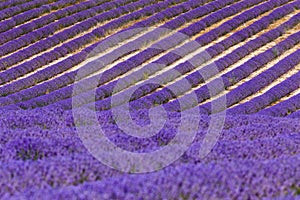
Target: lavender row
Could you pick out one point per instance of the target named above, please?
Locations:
(48, 30)
(167, 43)
(281, 90)
(188, 181)
(169, 58)
(42, 45)
(195, 78)
(259, 131)
(17, 20)
(37, 143)
(260, 81)
(48, 175)
(10, 12)
(252, 142)
(266, 148)
(171, 13)
(146, 54)
(40, 118)
(262, 128)
(137, 59)
(52, 172)
(34, 143)
(258, 149)
(8, 4)
(263, 79)
(255, 27)
(295, 114)
(149, 37)
(288, 107)
(281, 142)
(228, 26)
(65, 10)
(183, 68)
(40, 148)
(56, 118)
(70, 77)
(231, 77)
(38, 132)
(72, 46)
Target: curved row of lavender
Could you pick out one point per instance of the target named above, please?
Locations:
(48, 48)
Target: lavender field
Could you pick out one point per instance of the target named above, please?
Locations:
(150, 99)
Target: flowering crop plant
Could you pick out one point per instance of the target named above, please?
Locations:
(150, 99)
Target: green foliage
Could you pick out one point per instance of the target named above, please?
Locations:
(82, 177)
(161, 142)
(275, 52)
(296, 189)
(40, 104)
(232, 80)
(29, 154)
(184, 196)
(132, 169)
(146, 76)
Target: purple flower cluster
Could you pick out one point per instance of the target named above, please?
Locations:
(243, 71)
(264, 79)
(295, 114)
(9, 24)
(76, 59)
(26, 6)
(251, 148)
(288, 107)
(44, 152)
(8, 4)
(239, 20)
(10, 33)
(138, 59)
(66, 17)
(56, 39)
(239, 73)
